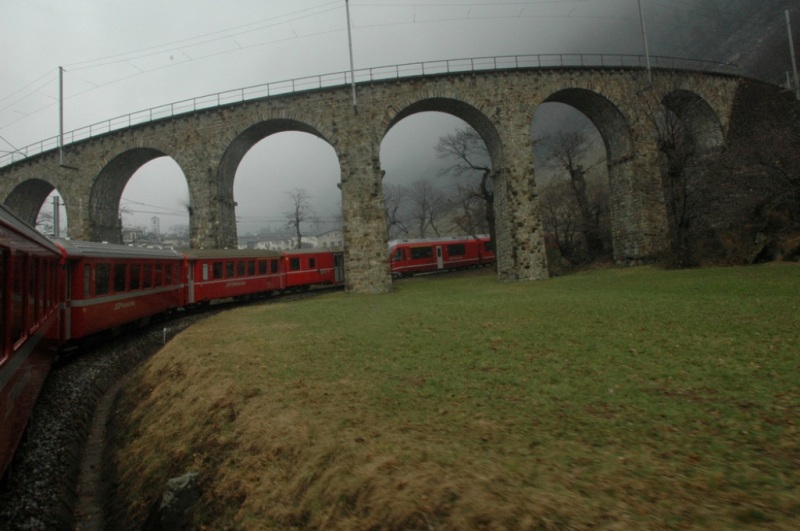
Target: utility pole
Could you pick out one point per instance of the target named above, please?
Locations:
(794, 60)
(61, 120)
(60, 116)
(350, 44)
(56, 218)
(646, 47)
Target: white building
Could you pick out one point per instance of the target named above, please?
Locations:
(333, 239)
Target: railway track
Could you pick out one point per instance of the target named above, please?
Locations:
(56, 479)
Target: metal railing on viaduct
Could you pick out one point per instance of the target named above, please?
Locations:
(366, 75)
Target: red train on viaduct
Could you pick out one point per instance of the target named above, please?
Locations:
(55, 293)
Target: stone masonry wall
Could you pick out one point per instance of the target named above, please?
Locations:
(208, 146)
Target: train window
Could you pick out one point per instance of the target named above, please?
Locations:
(488, 247)
(147, 280)
(294, 264)
(136, 276)
(17, 297)
(273, 267)
(3, 277)
(229, 270)
(159, 280)
(67, 283)
(120, 274)
(53, 286)
(87, 281)
(217, 270)
(50, 273)
(168, 274)
(102, 279)
(42, 296)
(312, 263)
(240, 268)
(251, 268)
(262, 267)
(48, 284)
(421, 252)
(456, 249)
(33, 283)
(399, 255)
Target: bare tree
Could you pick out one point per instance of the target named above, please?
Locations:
(470, 211)
(300, 211)
(472, 163)
(394, 196)
(569, 149)
(45, 223)
(561, 217)
(680, 178)
(428, 205)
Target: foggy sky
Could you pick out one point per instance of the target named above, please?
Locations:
(123, 56)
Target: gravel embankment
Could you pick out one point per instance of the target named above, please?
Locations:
(42, 490)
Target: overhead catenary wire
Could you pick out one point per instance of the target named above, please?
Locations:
(180, 46)
(205, 38)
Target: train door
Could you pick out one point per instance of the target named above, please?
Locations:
(439, 258)
(5, 276)
(67, 316)
(338, 267)
(190, 279)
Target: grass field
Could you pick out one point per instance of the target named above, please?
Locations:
(622, 398)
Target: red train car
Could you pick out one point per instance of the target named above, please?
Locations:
(109, 286)
(303, 268)
(221, 274)
(410, 257)
(31, 294)
(55, 293)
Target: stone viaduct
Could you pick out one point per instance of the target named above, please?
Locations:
(500, 104)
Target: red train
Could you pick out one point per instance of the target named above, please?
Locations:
(55, 293)
(419, 256)
(31, 297)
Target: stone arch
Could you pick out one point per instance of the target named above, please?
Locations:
(470, 114)
(460, 109)
(519, 242)
(699, 118)
(606, 117)
(239, 147)
(244, 141)
(104, 198)
(27, 198)
(638, 217)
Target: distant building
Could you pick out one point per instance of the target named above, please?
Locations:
(155, 225)
(130, 236)
(333, 239)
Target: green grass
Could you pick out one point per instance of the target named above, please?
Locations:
(624, 397)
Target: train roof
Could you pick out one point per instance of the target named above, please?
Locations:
(12, 222)
(205, 254)
(311, 250)
(78, 248)
(440, 241)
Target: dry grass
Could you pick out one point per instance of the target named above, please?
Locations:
(612, 399)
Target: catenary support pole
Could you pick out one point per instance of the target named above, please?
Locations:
(60, 116)
(56, 217)
(350, 45)
(794, 59)
(646, 46)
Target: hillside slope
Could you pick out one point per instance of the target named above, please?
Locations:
(752, 35)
